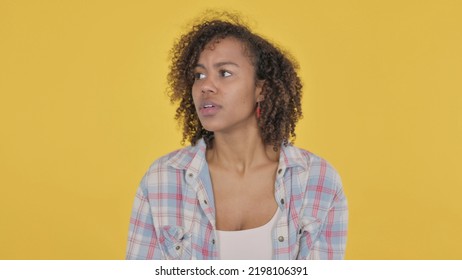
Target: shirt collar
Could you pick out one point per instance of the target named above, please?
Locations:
(293, 157)
(193, 158)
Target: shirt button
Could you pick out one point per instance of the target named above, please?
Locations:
(282, 201)
(281, 238)
(205, 201)
(190, 175)
(177, 248)
(280, 170)
(213, 241)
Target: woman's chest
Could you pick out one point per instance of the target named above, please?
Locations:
(243, 202)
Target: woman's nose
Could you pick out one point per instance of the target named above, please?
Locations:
(208, 85)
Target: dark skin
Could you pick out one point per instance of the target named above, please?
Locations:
(239, 191)
(242, 167)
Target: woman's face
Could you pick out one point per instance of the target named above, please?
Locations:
(225, 90)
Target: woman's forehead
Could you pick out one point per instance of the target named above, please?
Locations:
(229, 41)
(226, 47)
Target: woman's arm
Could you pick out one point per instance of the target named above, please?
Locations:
(326, 239)
(142, 238)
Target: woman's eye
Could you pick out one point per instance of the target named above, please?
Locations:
(225, 73)
(199, 76)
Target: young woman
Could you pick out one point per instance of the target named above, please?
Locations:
(241, 190)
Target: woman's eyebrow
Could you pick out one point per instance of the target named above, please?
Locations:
(218, 64)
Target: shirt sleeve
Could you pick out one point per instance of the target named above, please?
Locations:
(142, 239)
(330, 241)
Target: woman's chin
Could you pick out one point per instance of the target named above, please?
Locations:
(212, 127)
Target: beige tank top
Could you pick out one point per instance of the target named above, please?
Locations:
(248, 244)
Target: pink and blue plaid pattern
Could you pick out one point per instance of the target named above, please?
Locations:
(173, 211)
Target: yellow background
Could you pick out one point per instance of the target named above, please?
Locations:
(83, 113)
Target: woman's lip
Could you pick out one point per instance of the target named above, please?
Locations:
(208, 103)
(209, 111)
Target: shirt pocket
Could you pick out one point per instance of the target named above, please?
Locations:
(308, 232)
(175, 243)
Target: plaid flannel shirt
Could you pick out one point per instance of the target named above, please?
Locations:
(173, 215)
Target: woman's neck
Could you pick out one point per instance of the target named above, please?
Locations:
(240, 153)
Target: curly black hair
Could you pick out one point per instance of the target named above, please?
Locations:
(281, 108)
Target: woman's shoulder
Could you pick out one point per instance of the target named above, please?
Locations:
(317, 167)
(303, 156)
(165, 171)
(189, 159)
(178, 159)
